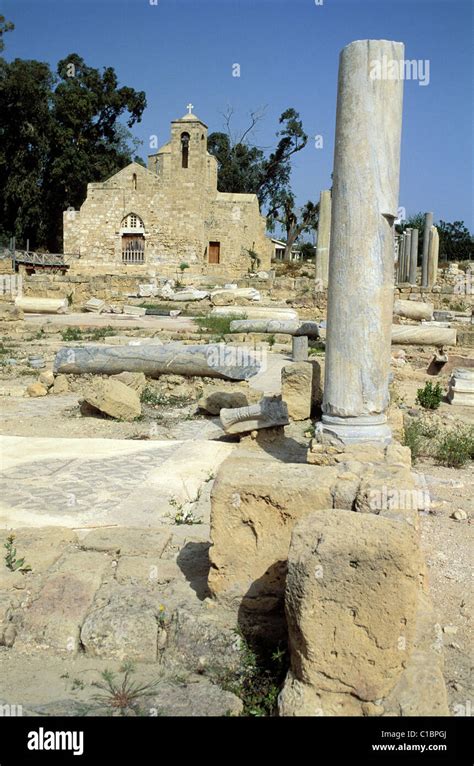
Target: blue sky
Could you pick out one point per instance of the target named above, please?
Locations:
(184, 50)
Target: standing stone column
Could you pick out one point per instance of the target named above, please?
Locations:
(406, 267)
(364, 208)
(401, 258)
(322, 246)
(413, 256)
(433, 255)
(426, 247)
(299, 348)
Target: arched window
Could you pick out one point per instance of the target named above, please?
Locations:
(134, 182)
(132, 221)
(184, 149)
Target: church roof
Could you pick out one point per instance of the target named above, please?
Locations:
(191, 118)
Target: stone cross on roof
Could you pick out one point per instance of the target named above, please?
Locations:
(190, 108)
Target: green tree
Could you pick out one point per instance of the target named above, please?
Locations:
(307, 250)
(25, 128)
(244, 168)
(295, 222)
(87, 140)
(57, 133)
(456, 243)
(5, 26)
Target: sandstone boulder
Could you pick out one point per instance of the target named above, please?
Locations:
(10, 312)
(36, 389)
(351, 600)
(47, 378)
(114, 399)
(135, 380)
(254, 504)
(60, 385)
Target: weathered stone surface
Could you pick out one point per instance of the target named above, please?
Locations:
(10, 313)
(413, 309)
(52, 622)
(423, 335)
(351, 601)
(198, 697)
(136, 311)
(125, 628)
(46, 378)
(461, 387)
(271, 411)
(32, 305)
(36, 389)
(135, 380)
(275, 327)
(215, 401)
(255, 312)
(42, 547)
(114, 399)
(60, 385)
(129, 542)
(202, 642)
(296, 389)
(213, 360)
(368, 132)
(254, 505)
(322, 246)
(421, 690)
(299, 348)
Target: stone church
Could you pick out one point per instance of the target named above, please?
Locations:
(153, 219)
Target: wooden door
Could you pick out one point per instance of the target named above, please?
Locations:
(214, 252)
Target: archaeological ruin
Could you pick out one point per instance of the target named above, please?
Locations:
(245, 484)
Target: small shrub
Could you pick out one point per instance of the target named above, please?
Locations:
(271, 341)
(413, 438)
(154, 399)
(184, 515)
(183, 266)
(430, 396)
(259, 680)
(11, 561)
(217, 325)
(102, 332)
(71, 333)
(455, 448)
(122, 696)
(458, 306)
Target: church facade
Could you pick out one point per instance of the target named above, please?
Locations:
(155, 219)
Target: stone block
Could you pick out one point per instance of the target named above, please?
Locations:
(114, 399)
(296, 389)
(351, 601)
(254, 506)
(52, 622)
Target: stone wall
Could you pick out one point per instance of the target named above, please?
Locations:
(181, 210)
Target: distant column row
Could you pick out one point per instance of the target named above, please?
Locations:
(406, 255)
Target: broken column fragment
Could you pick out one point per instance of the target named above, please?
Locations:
(268, 413)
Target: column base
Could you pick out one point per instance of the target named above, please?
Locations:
(363, 429)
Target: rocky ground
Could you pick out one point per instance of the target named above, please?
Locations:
(79, 491)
